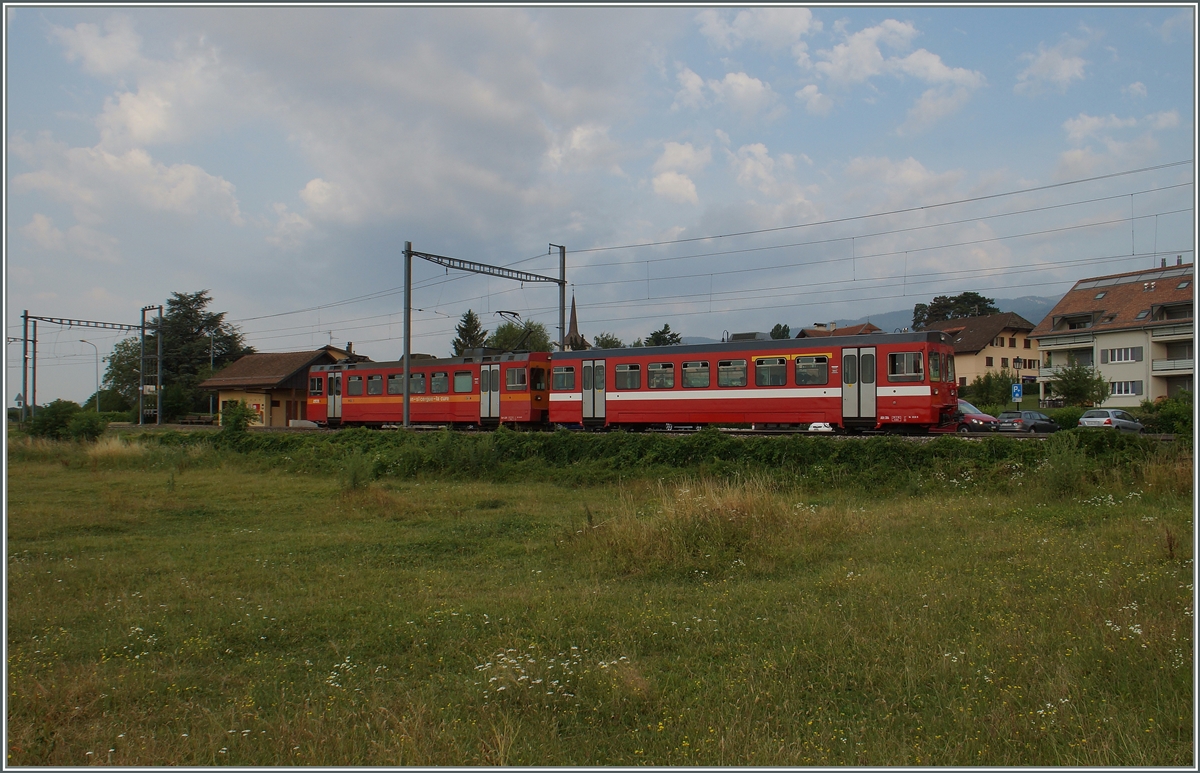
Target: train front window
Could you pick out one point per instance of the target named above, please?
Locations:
(439, 382)
(563, 378)
(629, 377)
(950, 367)
(660, 375)
(812, 371)
(731, 373)
(516, 380)
(462, 381)
(935, 371)
(316, 386)
(354, 387)
(770, 371)
(905, 366)
(695, 375)
(537, 379)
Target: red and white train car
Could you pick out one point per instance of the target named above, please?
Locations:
(481, 390)
(899, 382)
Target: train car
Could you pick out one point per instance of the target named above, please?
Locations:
(482, 390)
(894, 382)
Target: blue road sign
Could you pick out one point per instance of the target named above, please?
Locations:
(1016, 393)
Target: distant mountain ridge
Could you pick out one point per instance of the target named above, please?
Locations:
(1032, 307)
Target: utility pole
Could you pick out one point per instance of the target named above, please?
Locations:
(33, 402)
(24, 362)
(158, 386)
(97, 348)
(210, 367)
(408, 253)
(562, 297)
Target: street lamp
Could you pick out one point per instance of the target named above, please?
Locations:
(89, 343)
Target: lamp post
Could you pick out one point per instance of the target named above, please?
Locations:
(89, 343)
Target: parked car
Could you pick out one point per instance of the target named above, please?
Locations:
(1111, 418)
(971, 419)
(1026, 421)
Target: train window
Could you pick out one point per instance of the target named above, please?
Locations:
(935, 367)
(316, 386)
(395, 383)
(516, 379)
(629, 377)
(849, 369)
(812, 370)
(416, 383)
(695, 375)
(599, 376)
(439, 382)
(587, 378)
(866, 368)
(660, 375)
(770, 371)
(564, 377)
(355, 386)
(537, 378)
(950, 367)
(905, 366)
(731, 373)
(462, 381)
(375, 384)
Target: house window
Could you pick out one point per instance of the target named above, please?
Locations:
(1027, 344)
(1004, 362)
(1012, 343)
(1143, 314)
(1125, 387)
(1101, 294)
(462, 381)
(516, 380)
(1079, 323)
(905, 366)
(563, 377)
(1184, 284)
(316, 386)
(770, 371)
(439, 382)
(998, 342)
(660, 375)
(696, 375)
(1124, 354)
(812, 370)
(962, 381)
(629, 377)
(987, 362)
(731, 373)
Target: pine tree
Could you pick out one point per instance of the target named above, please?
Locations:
(663, 337)
(471, 334)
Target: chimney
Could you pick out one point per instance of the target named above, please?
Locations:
(1164, 263)
(832, 326)
(1178, 260)
(349, 347)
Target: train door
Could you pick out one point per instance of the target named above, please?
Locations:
(593, 389)
(858, 386)
(489, 392)
(333, 392)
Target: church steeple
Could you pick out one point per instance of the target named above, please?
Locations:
(575, 342)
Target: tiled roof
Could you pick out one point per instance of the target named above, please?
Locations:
(851, 330)
(972, 334)
(1114, 302)
(264, 371)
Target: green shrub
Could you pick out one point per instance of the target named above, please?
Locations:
(1067, 418)
(235, 417)
(86, 425)
(53, 420)
(1172, 415)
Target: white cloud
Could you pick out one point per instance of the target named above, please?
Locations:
(1085, 126)
(929, 67)
(1167, 120)
(691, 92)
(1180, 21)
(43, 234)
(886, 183)
(1137, 89)
(774, 28)
(1055, 67)
(290, 227)
(583, 148)
(79, 240)
(814, 101)
(934, 105)
(754, 167)
(860, 57)
(743, 92)
(674, 186)
(116, 52)
(685, 157)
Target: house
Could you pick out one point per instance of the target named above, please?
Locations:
(1136, 329)
(991, 343)
(274, 385)
(822, 329)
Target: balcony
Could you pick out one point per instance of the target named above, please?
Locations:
(1166, 366)
(1172, 331)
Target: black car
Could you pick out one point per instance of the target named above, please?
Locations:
(1026, 421)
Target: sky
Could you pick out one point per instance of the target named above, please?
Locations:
(714, 169)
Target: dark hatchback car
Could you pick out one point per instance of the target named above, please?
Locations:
(1026, 421)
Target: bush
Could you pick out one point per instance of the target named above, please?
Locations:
(235, 417)
(1171, 415)
(86, 425)
(1066, 418)
(53, 420)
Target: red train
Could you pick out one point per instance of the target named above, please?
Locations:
(898, 382)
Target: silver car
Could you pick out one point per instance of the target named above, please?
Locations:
(1111, 418)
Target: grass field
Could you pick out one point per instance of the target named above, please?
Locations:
(189, 605)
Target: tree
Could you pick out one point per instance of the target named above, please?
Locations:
(663, 337)
(471, 334)
(53, 420)
(188, 329)
(945, 307)
(110, 400)
(1079, 384)
(639, 343)
(607, 341)
(529, 337)
(992, 388)
(781, 331)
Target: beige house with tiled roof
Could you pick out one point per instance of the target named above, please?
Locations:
(274, 385)
(1136, 329)
(991, 343)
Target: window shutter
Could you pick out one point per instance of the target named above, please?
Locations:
(1137, 387)
(1137, 356)
(1104, 356)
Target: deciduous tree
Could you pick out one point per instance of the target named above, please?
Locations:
(1079, 384)
(607, 341)
(945, 307)
(781, 331)
(528, 337)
